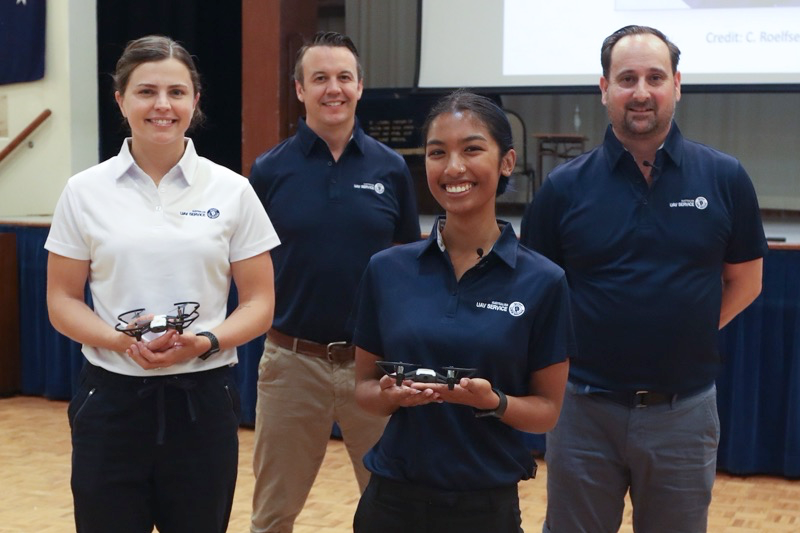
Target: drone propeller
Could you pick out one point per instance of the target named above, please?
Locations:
(395, 369)
(183, 318)
(130, 325)
(455, 374)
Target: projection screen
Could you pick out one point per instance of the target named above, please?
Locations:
(556, 44)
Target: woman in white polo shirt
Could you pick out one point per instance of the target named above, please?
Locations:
(154, 422)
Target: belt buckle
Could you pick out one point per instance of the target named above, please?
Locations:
(639, 398)
(332, 346)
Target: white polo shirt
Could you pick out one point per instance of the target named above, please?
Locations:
(152, 247)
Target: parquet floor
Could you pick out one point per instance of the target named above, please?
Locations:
(35, 494)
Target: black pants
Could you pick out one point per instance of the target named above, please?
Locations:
(392, 507)
(160, 451)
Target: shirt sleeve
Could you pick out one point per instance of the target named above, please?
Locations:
(407, 229)
(539, 229)
(366, 334)
(552, 339)
(747, 240)
(258, 179)
(66, 237)
(255, 233)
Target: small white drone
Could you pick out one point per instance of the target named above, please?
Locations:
(400, 371)
(184, 314)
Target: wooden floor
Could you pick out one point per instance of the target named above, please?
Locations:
(35, 494)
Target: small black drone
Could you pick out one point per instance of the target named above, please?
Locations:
(400, 371)
(185, 313)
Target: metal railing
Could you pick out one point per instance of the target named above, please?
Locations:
(19, 139)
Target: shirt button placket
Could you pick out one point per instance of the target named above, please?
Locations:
(333, 182)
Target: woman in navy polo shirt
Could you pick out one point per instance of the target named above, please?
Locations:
(469, 296)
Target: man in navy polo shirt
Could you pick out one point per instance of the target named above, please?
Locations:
(335, 197)
(662, 242)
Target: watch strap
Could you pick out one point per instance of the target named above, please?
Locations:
(498, 411)
(214, 344)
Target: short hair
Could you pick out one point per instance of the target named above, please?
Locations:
(326, 38)
(483, 109)
(154, 48)
(614, 38)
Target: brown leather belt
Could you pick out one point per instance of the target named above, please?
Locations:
(335, 352)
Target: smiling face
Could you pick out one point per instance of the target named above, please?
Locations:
(158, 102)
(330, 88)
(641, 91)
(463, 163)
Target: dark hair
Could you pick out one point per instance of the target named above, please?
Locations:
(483, 109)
(326, 38)
(153, 48)
(614, 38)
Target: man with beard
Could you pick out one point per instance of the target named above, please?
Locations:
(662, 243)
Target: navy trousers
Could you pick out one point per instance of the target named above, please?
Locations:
(158, 451)
(393, 507)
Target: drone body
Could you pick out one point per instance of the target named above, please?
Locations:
(400, 371)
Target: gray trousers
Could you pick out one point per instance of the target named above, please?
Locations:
(665, 455)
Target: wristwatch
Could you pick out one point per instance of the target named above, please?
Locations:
(214, 344)
(498, 411)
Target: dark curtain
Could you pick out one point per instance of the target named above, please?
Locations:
(759, 386)
(211, 30)
(50, 362)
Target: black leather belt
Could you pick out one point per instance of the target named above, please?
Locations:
(335, 352)
(646, 398)
(642, 398)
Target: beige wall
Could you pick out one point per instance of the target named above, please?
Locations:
(32, 177)
(761, 129)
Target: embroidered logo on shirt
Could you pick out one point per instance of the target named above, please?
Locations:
(211, 213)
(700, 203)
(514, 308)
(377, 187)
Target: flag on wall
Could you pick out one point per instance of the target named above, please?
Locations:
(22, 25)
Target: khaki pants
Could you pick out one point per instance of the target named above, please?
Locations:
(299, 399)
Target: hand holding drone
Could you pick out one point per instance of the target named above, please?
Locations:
(403, 371)
(134, 325)
(400, 371)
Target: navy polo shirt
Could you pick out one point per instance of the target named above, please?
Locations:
(507, 317)
(644, 264)
(331, 217)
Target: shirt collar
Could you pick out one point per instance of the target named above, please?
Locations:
(308, 138)
(671, 147)
(123, 162)
(186, 167)
(504, 248)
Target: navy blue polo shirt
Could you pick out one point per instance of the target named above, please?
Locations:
(644, 264)
(331, 216)
(507, 317)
